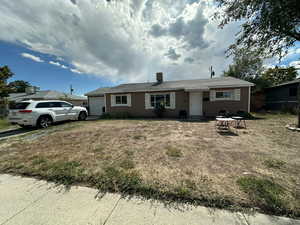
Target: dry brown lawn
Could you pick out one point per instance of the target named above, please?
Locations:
(174, 154)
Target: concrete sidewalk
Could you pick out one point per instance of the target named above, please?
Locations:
(26, 201)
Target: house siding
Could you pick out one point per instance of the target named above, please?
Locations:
(138, 109)
(278, 98)
(212, 108)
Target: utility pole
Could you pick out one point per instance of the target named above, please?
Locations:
(71, 89)
(212, 73)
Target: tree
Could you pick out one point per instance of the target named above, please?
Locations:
(279, 75)
(270, 26)
(5, 74)
(247, 65)
(18, 86)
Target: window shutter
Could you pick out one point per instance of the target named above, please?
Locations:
(237, 94)
(173, 100)
(212, 96)
(112, 100)
(147, 101)
(129, 100)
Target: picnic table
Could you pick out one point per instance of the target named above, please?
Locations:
(223, 123)
(239, 121)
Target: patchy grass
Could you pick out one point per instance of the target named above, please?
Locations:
(171, 160)
(4, 124)
(265, 193)
(127, 164)
(173, 152)
(274, 163)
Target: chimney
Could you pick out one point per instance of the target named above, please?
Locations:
(159, 77)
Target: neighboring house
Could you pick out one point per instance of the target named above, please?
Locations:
(34, 94)
(282, 96)
(202, 97)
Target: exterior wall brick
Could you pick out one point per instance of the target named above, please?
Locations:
(137, 108)
(213, 108)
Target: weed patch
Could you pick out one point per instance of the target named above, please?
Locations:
(274, 163)
(263, 192)
(98, 149)
(173, 152)
(127, 164)
(138, 137)
(116, 180)
(62, 172)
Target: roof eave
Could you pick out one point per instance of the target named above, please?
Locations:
(232, 86)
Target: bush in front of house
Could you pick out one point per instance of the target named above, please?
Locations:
(159, 110)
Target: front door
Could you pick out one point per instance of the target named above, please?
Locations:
(196, 104)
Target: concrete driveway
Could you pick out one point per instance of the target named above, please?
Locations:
(26, 201)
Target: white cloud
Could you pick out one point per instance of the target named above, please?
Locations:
(114, 40)
(32, 57)
(54, 63)
(58, 64)
(75, 71)
(295, 64)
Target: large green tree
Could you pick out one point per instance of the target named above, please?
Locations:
(18, 86)
(5, 74)
(272, 26)
(278, 75)
(246, 65)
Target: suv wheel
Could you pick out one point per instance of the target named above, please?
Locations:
(44, 122)
(82, 116)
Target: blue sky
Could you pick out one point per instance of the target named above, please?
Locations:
(92, 43)
(45, 75)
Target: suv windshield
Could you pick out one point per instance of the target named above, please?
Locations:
(20, 105)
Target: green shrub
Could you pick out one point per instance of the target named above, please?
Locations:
(159, 110)
(105, 116)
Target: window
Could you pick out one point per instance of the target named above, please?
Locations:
(121, 100)
(160, 99)
(55, 104)
(224, 95)
(48, 105)
(21, 105)
(43, 105)
(293, 92)
(64, 104)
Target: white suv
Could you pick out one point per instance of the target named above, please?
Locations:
(44, 113)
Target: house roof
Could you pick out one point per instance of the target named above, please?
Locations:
(44, 95)
(187, 85)
(98, 92)
(287, 83)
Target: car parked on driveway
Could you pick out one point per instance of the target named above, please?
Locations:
(44, 113)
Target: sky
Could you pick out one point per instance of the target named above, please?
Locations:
(92, 43)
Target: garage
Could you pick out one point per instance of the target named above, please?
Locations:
(96, 106)
(96, 101)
